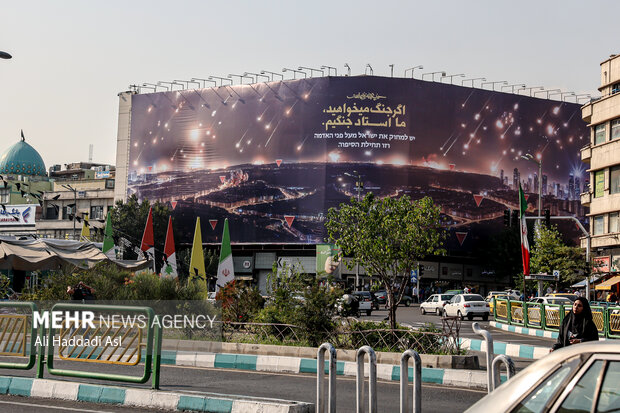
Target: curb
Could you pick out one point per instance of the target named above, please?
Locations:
(155, 399)
(524, 330)
(474, 379)
(508, 349)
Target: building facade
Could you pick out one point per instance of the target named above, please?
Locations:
(602, 155)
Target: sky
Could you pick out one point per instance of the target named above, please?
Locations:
(72, 58)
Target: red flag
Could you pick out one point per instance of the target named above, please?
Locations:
(223, 178)
(289, 219)
(148, 240)
(278, 162)
(452, 166)
(478, 199)
(174, 204)
(169, 246)
(527, 196)
(213, 223)
(461, 237)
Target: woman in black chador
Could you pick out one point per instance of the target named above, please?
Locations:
(577, 326)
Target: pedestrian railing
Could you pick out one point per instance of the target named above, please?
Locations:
(18, 334)
(550, 316)
(42, 336)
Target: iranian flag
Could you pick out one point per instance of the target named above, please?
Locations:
(148, 239)
(169, 269)
(525, 246)
(225, 269)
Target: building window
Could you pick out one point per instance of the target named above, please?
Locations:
(51, 212)
(67, 212)
(598, 226)
(599, 183)
(614, 180)
(599, 134)
(614, 222)
(615, 129)
(96, 212)
(4, 195)
(109, 183)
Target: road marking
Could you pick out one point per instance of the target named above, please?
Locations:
(47, 406)
(311, 375)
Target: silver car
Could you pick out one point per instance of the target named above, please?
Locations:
(579, 378)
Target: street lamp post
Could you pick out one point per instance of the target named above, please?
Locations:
(329, 68)
(262, 72)
(368, 66)
(286, 69)
(245, 74)
(472, 80)
(412, 69)
(512, 87)
(539, 88)
(503, 82)
(348, 69)
(358, 187)
(311, 70)
(433, 74)
(451, 76)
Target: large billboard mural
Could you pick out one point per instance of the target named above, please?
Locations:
(273, 157)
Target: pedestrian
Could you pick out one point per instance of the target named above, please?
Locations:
(577, 326)
(612, 298)
(81, 292)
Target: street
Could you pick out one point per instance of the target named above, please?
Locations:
(300, 387)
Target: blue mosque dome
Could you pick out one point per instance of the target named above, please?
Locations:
(22, 159)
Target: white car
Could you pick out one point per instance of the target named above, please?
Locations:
(467, 305)
(435, 303)
(552, 300)
(579, 378)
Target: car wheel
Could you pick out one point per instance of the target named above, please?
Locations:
(485, 317)
(368, 312)
(437, 311)
(422, 310)
(407, 303)
(460, 315)
(470, 316)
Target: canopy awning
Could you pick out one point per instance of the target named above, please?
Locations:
(582, 283)
(50, 254)
(606, 285)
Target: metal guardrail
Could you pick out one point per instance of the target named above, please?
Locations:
(372, 380)
(320, 381)
(148, 356)
(550, 316)
(404, 381)
(14, 331)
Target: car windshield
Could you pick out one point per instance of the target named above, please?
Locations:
(473, 297)
(446, 297)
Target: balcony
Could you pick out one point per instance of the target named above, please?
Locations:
(585, 198)
(586, 112)
(586, 153)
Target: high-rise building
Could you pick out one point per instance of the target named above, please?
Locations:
(602, 157)
(536, 182)
(571, 186)
(544, 184)
(577, 188)
(515, 179)
(501, 176)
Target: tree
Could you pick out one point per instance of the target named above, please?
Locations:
(129, 220)
(550, 253)
(387, 237)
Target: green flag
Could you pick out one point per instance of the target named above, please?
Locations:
(108, 241)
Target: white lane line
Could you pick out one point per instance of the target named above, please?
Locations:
(46, 406)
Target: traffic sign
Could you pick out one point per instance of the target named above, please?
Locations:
(414, 276)
(556, 274)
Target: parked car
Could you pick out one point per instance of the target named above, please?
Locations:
(579, 378)
(552, 300)
(367, 301)
(381, 296)
(570, 296)
(467, 305)
(435, 303)
(498, 296)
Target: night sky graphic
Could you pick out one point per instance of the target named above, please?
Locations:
(257, 153)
